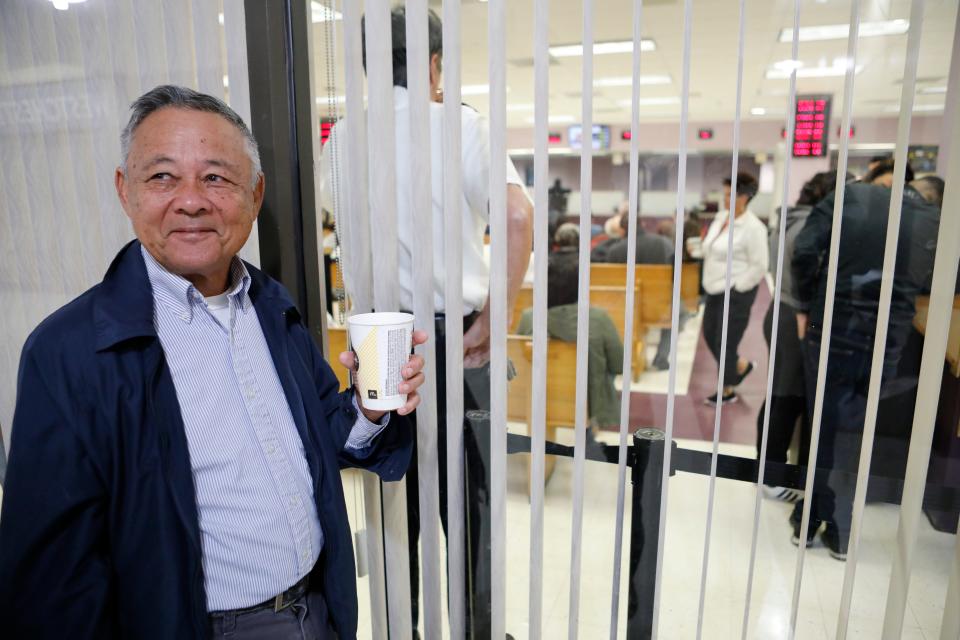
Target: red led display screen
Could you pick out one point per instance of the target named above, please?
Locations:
(811, 132)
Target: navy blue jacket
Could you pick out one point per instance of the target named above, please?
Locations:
(99, 536)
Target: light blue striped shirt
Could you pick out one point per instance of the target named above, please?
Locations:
(258, 518)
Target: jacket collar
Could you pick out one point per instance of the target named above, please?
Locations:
(123, 304)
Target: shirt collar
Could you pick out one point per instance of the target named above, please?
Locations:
(178, 294)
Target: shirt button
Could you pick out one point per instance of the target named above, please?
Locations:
(271, 448)
(251, 393)
(294, 501)
(184, 316)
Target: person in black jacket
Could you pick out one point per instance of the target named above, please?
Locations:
(855, 311)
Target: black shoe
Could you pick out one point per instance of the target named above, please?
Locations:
(660, 364)
(746, 372)
(795, 521)
(836, 544)
(728, 398)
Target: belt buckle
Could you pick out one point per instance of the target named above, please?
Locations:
(278, 604)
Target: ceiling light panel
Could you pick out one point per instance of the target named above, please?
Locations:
(601, 48)
(841, 31)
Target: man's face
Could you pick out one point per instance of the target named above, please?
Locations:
(189, 191)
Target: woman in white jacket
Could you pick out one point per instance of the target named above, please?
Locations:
(749, 264)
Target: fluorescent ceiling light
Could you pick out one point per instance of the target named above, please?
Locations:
(322, 13)
(627, 81)
(220, 18)
(557, 119)
(895, 108)
(932, 90)
(834, 71)
(651, 101)
(601, 48)
(841, 31)
(758, 111)
(226, 81)
(63, 5)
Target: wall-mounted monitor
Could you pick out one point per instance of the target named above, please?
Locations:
(601, 136)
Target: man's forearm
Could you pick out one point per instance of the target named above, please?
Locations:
(519, 241)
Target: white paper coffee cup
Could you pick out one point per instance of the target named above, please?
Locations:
(382, 344)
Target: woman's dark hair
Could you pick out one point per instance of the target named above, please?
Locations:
(883, 169)
(747, 185)
(817, 188)
(398, 34)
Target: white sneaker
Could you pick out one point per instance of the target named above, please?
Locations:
(782, 494)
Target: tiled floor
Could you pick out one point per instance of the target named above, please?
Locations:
(727, 574)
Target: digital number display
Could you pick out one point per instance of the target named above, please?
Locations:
(810, 133)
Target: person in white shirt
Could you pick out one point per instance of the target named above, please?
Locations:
(751, 256)
(474, 203)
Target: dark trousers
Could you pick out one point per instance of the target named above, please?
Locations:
(740, 304)
(785, 414)
(841, 429)
(476, 442)
(305, 619)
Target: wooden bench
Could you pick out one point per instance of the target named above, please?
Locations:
(561, 388)
(655, 282)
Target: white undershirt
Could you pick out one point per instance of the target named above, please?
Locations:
(219, 307)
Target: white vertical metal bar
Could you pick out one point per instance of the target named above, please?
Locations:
(583, 317)
(373, 515)
(950, 625)
(235, 43)
(928, 388)
(816, 419)
(883, 316)
(725, 323)
(353, 229)
(627, 376)
(541, 241)
(775, 332)
(496, 47)
(381, 144)
(453, 297)
(675, 307)
(421, 204)
(353, 184)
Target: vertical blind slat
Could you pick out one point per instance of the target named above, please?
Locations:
(675, 307)
(816, 419)
(628, 328)
(928, 386)
(718, 409)
(421, 204)
(583, 324)
(883, 316)
(496, 46)
(381, 144)
(453, 222)
(538, 407)
(775, 328)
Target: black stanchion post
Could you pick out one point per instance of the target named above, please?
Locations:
(476, 448)
(645, 530)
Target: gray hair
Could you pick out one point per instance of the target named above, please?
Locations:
(169, 95)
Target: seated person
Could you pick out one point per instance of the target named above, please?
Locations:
(605, 351)
(651, 249)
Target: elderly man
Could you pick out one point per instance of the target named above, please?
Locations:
(177, 440)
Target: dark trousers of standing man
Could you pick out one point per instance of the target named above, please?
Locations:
(476, 444)
(740, 305)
